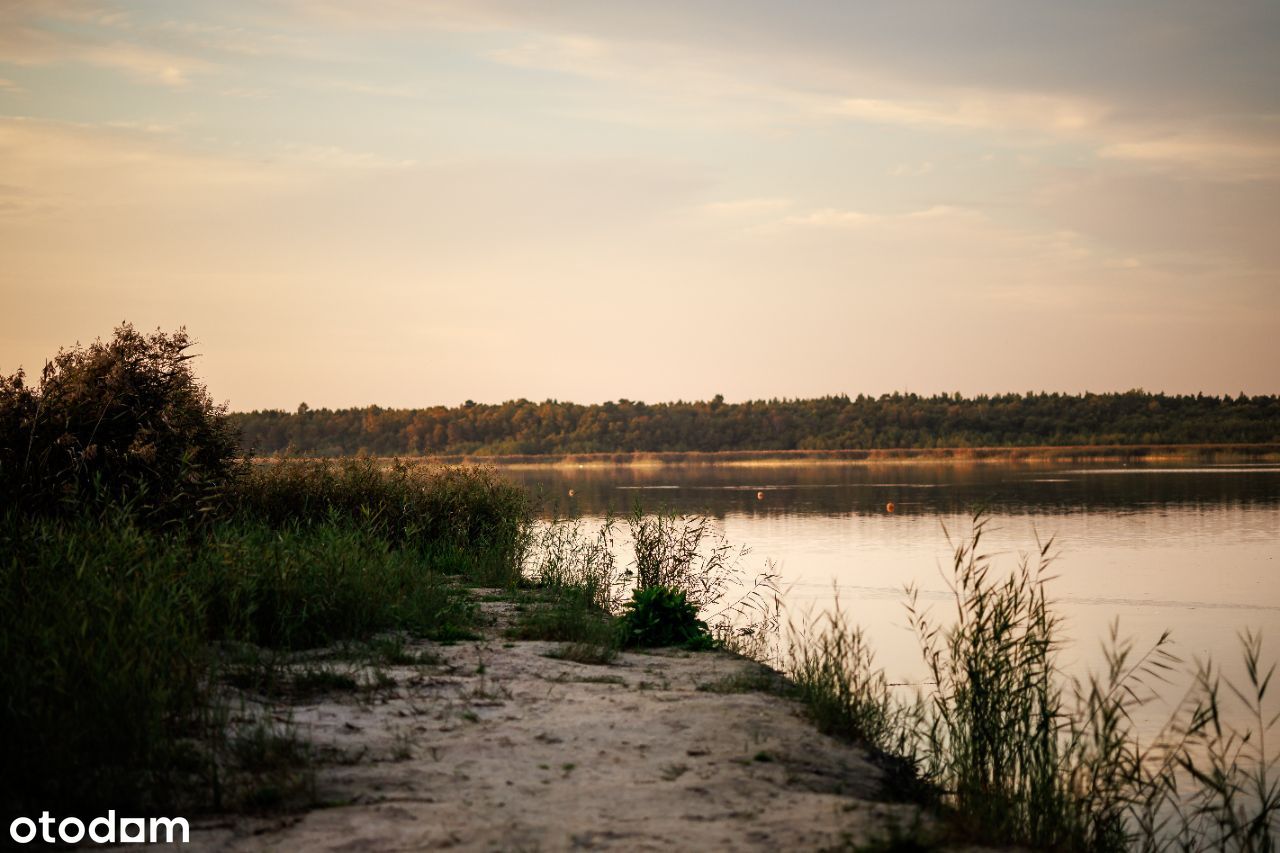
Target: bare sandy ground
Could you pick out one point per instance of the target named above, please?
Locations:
(502, 748)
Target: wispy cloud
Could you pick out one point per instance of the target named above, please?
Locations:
(50, 167)
(746, 207)
(1244, 158)
(980, 110)
(28, 45)
(337, 157)
(830, 217)
(911, 170)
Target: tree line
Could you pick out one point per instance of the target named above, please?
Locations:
(898, 420)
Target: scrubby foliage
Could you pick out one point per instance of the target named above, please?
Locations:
(136, 548)
(663, 616)
(826, 423)
(121, 420)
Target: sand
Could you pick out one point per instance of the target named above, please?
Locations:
(502, 748)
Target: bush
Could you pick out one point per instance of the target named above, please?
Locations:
(123, 420)
(663, 616)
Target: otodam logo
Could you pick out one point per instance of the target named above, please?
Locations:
(104, 830)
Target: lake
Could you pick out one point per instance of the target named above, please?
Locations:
(1191, 548)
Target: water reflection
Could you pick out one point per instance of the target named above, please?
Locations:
(916, 487)
(1194, 549)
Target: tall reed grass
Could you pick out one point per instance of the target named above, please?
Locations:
(466, 515)
(581, 588)
(1021, 753)
(110, 625)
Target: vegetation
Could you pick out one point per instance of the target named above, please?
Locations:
(463, 520)
(145, 570)
(663, 616)
(828, 423)
(122, 421)
(1021, 754)
(142, 565)
(682, 571)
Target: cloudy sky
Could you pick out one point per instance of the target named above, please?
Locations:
(410, 203)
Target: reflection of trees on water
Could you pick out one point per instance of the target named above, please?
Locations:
(914, 489)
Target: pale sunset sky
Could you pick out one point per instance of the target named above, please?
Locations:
(414, 203)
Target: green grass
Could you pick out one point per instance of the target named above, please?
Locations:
(102, 662)
(309, 585)
(114, 632)
(468, 521)
(575, 592)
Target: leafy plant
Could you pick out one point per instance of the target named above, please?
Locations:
(663, 616)
(123, 420)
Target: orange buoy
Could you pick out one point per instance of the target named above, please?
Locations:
(759, 496)
(889, 506)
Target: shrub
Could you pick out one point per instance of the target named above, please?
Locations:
(123, 420)
(687, 553)
(663, 616)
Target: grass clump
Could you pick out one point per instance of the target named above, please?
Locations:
(663, 616)
(311, 682)
(681, 570)
(570, 616)
(577, 595)
(593, 654)
(756, 678)
(832, 669)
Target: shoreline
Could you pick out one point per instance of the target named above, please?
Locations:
(495, 745)
(1048, 454)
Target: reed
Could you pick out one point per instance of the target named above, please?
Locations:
(110, 624)
(1019, 753)
(582, 596)
(467, 517)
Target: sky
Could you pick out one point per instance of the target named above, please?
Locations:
(419, 203)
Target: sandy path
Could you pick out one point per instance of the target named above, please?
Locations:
(502, 748)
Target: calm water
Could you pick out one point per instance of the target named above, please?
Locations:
(1192, 549)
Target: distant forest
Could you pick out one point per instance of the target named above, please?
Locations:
(827, 423)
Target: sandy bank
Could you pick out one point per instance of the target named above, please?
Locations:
(501, 748)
